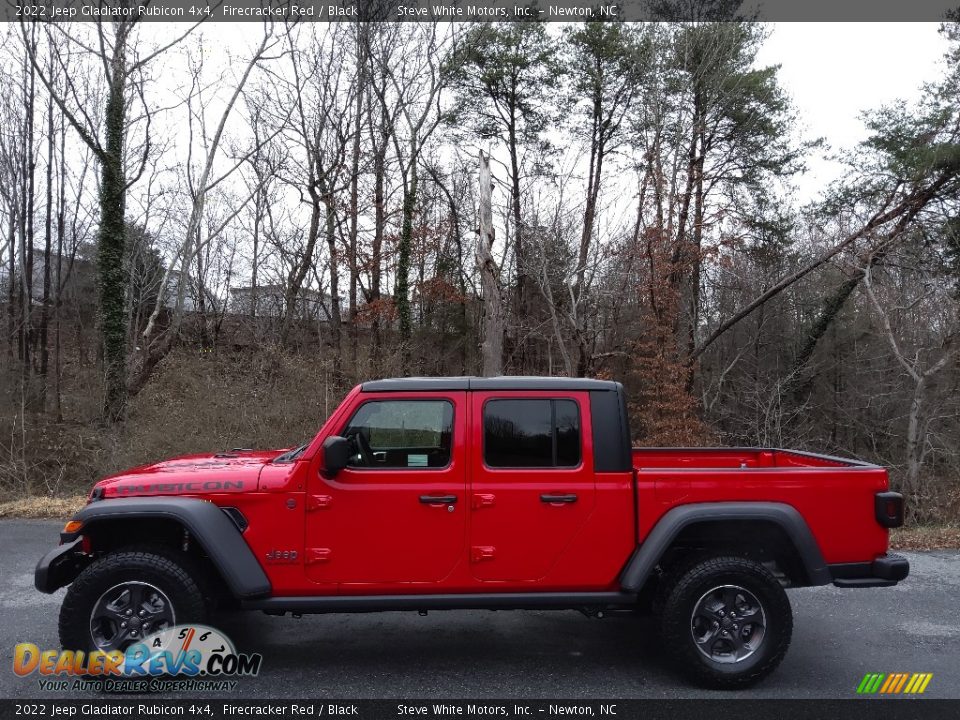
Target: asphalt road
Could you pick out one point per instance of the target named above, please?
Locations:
(839, 635)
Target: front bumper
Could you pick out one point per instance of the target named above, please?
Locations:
(60, 566)
(884, 571)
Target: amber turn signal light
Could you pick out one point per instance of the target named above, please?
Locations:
(73, 526)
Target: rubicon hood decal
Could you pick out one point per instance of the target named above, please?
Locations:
(175, 488)
(189, 474)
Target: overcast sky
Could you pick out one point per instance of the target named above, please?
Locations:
(836, 70)
(832, 71)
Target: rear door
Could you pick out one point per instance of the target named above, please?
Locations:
(532, 487)
(397, 512)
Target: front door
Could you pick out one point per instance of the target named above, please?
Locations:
(397, 512)
(532, 488)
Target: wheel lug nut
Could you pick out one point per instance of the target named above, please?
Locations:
(143, 613)
(133, 633)
(129, 612)
(123, 624)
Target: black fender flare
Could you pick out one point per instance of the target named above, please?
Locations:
(649, 553)
(216, 533)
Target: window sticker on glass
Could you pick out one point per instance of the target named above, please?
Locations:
(401, 434)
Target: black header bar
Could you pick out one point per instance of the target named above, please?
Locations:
(146, 706)
(192, 11)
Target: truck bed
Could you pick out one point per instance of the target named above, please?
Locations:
(740, 458)
(835, 496)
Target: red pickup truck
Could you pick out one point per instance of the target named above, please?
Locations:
(481, 493)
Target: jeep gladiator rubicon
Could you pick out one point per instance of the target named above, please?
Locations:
(481, 493)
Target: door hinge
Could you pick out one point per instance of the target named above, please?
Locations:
(318, 502)
(317, 555)
(483, 500)
(479, 553)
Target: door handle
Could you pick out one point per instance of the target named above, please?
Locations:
(569, 498)
(438, 499)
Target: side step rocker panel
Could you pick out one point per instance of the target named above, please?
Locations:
(464, 601)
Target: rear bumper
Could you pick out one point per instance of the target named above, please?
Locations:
(884, 571)
(59, 567)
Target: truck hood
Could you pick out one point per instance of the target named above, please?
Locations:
(226, 472)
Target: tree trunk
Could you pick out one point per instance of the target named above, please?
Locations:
(298, 272)
(111, 240)
(696, 250)
(47, 240)
(255, 261)
(58, 296)
(11, 277)
(402, 290)
(597, 150)
(376, 252)
(492, 347)
(361, 30)
(915, 440)
(518, 249)
(25, 334)
(832, 305)
(593, 194)
(335, 319)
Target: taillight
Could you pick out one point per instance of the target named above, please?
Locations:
(888, 508)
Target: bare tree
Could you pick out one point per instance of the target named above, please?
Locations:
(123, 71)
(921, 364)
(417, 78)
(155, 346)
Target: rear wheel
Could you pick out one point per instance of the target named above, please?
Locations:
(126, 595)
(726, 620)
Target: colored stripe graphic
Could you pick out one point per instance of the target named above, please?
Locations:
(894, 683)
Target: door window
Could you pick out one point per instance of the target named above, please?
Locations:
(531, 433)
(401, 434)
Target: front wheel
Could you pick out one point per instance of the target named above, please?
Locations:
(126, 595)
(727, 621)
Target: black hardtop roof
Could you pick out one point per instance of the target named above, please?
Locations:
(443, 384)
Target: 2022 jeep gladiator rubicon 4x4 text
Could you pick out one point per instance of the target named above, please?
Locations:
(481, 493)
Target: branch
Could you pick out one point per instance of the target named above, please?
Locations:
(909, 207)
(888, 330)
(84, 134)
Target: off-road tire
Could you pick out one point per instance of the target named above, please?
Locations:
(683, 589)
(174, 576)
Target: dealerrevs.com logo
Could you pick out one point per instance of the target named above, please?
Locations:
(182, 657)
(894, 683)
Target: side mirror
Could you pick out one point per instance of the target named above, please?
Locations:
(336, 454)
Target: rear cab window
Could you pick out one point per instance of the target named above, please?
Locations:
(531, 433)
